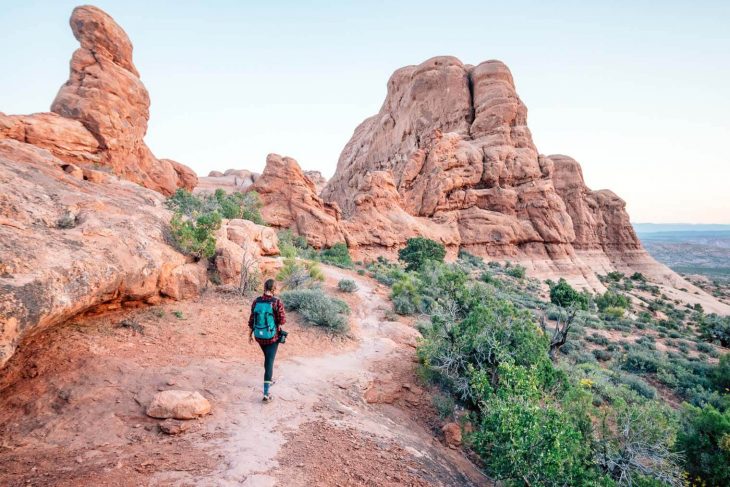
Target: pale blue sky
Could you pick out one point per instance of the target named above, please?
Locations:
(637, 91)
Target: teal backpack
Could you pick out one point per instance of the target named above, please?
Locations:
(264, 326)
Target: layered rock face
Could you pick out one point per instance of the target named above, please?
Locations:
(599, 218)
(100, 114)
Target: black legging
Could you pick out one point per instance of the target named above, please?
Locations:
(269, 356)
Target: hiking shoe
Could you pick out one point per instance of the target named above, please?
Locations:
(268, 398)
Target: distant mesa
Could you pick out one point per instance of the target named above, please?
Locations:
(100, 115)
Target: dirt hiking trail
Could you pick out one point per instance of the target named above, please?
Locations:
(346, 411)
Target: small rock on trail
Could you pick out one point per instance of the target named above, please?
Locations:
(178, 405)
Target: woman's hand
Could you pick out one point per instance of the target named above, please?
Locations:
(250, 337)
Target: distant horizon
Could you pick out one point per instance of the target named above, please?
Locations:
(634, 92)
(648, 227)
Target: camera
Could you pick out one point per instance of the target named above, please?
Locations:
(282, 336)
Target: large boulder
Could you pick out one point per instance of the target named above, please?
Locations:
(100, 114)
(242, 243)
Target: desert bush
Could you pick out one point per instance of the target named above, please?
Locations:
(602, 355)
(337, 255)
(704, 437)
(635, 444)
(611, 299)
(347, 286)
(716, 329)
(613, 313)
(406, 294)
(419, 250)
(470, 259)
(444, 405)
(516, 271)
(638, 276)
(296, 274)
(529, 436)
(641, 361)
(563, 294)
(704, 347)
(598, 339)
(638, 385)
(318, 308)
(615, 276)
(195, 236)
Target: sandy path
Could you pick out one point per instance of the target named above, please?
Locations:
(329, 388)
(72, 408)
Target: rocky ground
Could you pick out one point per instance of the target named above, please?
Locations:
(348, 411)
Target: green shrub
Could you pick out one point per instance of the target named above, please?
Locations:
(516, 271)
(641, 361)
(704, 437)
(318, 308)
(716, 329)
(638, 276)
(613, 313)
(471, 260)
(615, 276)
(704, 347)
(406, 295)
(296, 274)
(444, 405)
(337, 255)
(638, 385)
(420, 250)
(526, 436)
(195, 236)
(720, 374)
(611, 299)
(563, 294)
(636, 444)
(347, 286)
(602, 355)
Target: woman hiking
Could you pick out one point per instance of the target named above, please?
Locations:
(267, 317)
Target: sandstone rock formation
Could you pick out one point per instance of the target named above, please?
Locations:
(449, 156)
(454, 141)
(290, 201)
(100, 114)
(77, 233)
(318, 180)
(241, 243)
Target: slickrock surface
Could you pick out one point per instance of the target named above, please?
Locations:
(100, 114)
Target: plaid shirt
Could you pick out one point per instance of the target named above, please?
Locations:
(279, 316)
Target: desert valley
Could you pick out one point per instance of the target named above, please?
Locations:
(462, 310)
